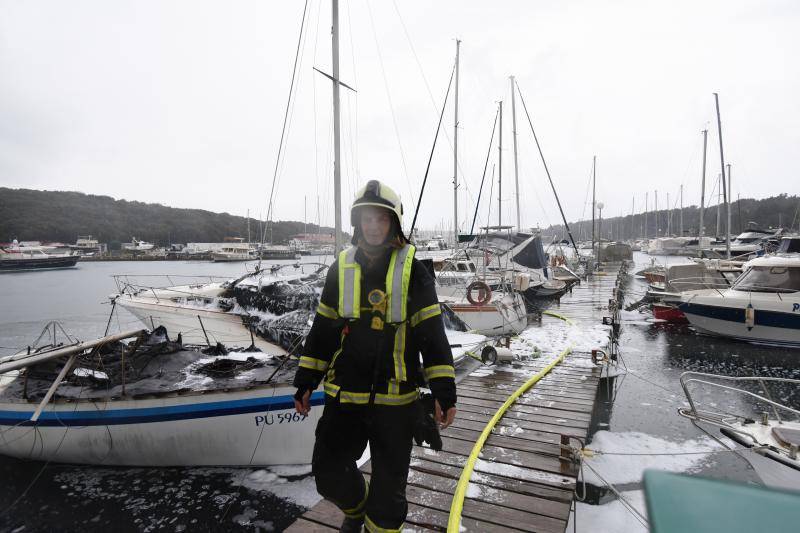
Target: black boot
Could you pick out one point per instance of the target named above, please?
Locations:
(351, 525)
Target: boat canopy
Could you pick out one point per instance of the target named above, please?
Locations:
(773, 274)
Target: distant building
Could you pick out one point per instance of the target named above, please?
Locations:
(314, 239)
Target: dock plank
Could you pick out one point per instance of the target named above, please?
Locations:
(520, 482)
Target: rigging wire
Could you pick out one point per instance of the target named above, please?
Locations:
(433, 148)
(547, 171)
(389, 98)
(485, 166)
(286, 115)
(354, 148)
(461, 174)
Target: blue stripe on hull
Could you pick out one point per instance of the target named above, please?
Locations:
(771, 319)
(154, 414)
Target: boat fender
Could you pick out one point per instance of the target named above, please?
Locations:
(736, 437)
(749, 316)
(484, 293)
(782, 459)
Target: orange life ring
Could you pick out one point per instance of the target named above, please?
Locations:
(484, 293)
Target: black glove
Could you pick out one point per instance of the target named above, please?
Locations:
(425, 427)
(300, 392)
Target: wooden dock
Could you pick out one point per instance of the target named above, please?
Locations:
(522, 481)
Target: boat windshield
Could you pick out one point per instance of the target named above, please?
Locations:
(770, 279)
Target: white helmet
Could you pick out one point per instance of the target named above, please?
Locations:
(377, 194)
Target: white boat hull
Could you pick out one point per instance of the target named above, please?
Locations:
(237, 428)
(504, 316)
(190, 322)
(776, 317)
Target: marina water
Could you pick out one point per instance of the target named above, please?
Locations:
(636, 413)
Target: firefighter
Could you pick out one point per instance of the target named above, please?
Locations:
(377, 313)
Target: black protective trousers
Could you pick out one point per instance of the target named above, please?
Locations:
(342, 436)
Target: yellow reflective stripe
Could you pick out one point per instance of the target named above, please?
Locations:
(424, 314)
(349, 284)
(399, 353)
(439, 371)
(372, 527)
(342, 261)
(394, 387)
(362, 398)
(313, 364)
(396, 399)
(327, 311)
(358, 510)
(397, 281)
(332, 371)
(353, 397)
(390, 296)
(331, 389)
(409, 261)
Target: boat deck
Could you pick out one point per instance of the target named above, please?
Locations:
(522, 480)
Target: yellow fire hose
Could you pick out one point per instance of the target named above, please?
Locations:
(454, 521)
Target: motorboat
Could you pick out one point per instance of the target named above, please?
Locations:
(233, 253)
(765, 432)
(682, 277)
(683, 246)
(762, 306)
(16, 258)
(152, 401)
(751, 241)
(137, 246)
(614, 252)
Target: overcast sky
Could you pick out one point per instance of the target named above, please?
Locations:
(182, 102)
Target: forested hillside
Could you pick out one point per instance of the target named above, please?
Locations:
(27, 214)
(776, 211)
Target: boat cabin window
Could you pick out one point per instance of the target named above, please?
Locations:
(770, 279)
(789, 246)
(462, 267)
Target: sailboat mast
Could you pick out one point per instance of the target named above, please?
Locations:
(633, 216)
(514, 136)
(594, 201)
(669, 217)
(500, 170)
(702, 230)
(656, 210)
(725, 192)
(646, 230)
(719, 203)
(337, 167)
(681, 210)
(248, 226)
(730, 193)
(455, 153)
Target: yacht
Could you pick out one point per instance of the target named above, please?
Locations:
(15, 258)
(750, 242)
(685, 246)
(762, 306)
(231, 253)
(137, 246)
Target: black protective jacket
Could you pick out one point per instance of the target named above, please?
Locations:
(357, 361)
